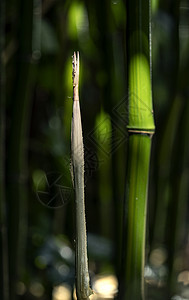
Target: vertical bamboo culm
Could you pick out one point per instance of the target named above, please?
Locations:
(140, 128)
(4, 265)
(83, 290)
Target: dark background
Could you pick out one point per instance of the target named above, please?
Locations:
(36, 195)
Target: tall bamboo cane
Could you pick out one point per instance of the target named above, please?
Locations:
(141, 128)
(4, 274)
(17, 145)
(83, 290)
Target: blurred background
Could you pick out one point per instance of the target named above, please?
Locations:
(37, 40)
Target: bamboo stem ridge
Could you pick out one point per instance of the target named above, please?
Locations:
(141, 128)
(82, 275)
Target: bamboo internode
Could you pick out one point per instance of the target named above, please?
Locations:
(140, 128)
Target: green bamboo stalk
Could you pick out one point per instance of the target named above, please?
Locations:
(140, 128)
(17, 140)
(177, 219)
(166, 136)
(137, 185)
(4, 276)
(164, 190)
(83, 290)
(176, 224)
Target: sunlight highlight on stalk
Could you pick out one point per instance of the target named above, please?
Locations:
(140, 128)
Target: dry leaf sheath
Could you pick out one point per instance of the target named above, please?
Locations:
(82, 275)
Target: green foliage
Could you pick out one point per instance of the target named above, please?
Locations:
(37, 42)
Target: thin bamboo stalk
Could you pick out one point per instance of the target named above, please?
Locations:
(17, 141)
(166, 135)
(83, 290)
(176, 225)
(177, 218)
(141, 128)
(4, 274)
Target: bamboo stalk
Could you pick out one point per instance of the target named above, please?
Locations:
(170, 118)
(137, 183)
(17, 142)
(4, 274)
(141, 128)
(83, 290)
(177, 218)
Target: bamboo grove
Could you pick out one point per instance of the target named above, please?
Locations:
(116, 226)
